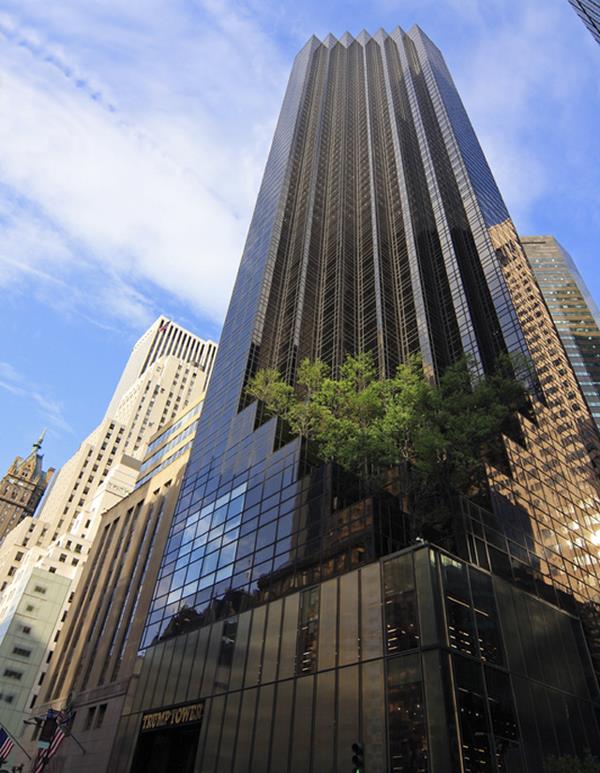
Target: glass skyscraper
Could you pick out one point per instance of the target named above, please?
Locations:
(589, 12)
(573, 310)
(290, 619)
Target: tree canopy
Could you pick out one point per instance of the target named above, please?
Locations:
(569, 764)
(442, 434)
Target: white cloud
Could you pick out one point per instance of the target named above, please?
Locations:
(159, 193)
(134, 134)
(16, 384)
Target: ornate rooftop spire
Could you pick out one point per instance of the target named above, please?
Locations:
(40, 440)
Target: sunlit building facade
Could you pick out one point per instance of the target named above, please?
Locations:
(573, 310)
(290, 619)
(97, 656)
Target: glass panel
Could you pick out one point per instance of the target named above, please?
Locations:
(308, 631)
(371, 633)
(406, 716)
(282, 717)
(348, 619)
(213, 734)
(470, 698)
(401, 620)
(348, 707)
(271, 653)
(503, 719)
(230, 720)
(328, 625)
(255, 647)
(301, 738)
(243, 745)
(262, 728)
(486, 618)
(373, 716)
(455, 577)
(461, 628)
(325, 724)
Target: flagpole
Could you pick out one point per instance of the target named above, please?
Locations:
(77, 742)
(15, 740)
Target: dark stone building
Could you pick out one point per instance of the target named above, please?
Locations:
(22, 488)
(290, 619)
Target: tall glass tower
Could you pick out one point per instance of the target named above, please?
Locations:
(573, 310)
(290, 621)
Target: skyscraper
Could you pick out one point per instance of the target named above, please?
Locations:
(22, 488)
(168, 370)
(97, 655)
(289, 620)
(573, 310)
(589, 12)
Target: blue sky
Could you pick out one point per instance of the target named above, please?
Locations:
(132, 141)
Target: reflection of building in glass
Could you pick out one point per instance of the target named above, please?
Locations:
(573, 310)
(290, 618)
(589, 12)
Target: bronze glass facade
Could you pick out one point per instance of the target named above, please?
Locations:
(573, 310)
(378, 227)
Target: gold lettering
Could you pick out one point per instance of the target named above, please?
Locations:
(178, 716)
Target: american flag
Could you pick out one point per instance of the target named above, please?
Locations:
(6, 744)
(63, 721)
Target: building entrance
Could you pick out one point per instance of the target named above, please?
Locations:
(170, 750)
(168, 740)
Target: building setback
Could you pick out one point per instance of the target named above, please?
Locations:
(573, 310)
(289, 620)
(22, 488)
(589, 12)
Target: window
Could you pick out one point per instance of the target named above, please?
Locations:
(89, 717)
(101, 714)
(401, 618)
(18, 556)
(308, 632)
(41, 589)
(22, 651)
(408, 733)
(10, 673)
(29, 608)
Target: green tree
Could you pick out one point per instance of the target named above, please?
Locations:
(431, 439)
(569, 764)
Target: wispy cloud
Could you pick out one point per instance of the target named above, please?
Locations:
(13, 382)
(134, 134)
(158, 194)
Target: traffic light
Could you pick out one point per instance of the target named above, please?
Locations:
(358, 758)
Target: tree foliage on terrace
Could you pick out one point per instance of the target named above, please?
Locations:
(569, 764)
(439, 434)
